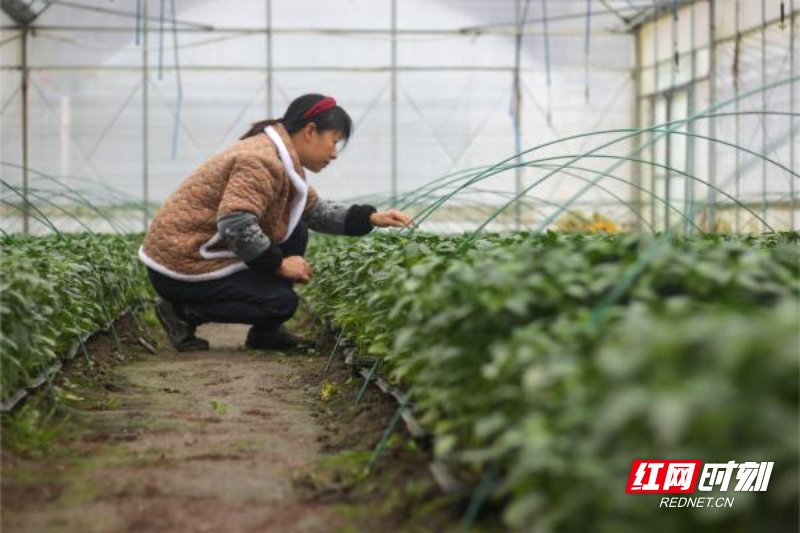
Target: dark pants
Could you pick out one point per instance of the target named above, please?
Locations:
(247, 297)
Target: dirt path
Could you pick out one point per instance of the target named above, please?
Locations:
(204, 441)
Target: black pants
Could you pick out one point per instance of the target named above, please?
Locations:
(247, 297)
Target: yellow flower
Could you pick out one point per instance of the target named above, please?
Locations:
(328, 391)
(602, 226)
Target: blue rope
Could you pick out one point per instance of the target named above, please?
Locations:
(178, 80)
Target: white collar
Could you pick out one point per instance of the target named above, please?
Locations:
(299, 184)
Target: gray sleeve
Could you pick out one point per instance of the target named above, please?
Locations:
(242, 234)
(327, 217)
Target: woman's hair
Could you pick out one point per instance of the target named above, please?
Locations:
(333, 118)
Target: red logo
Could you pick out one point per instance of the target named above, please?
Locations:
(663, 476)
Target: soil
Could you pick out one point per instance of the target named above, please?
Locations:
(223, 440)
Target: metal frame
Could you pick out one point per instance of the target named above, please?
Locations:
(711, 78)
(145, 118)
(394, 69)
(25, 85)
(792, 104)
(647, 10)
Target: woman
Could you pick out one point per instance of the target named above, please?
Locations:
(228, 245)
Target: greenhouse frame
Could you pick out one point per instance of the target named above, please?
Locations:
(399, 265)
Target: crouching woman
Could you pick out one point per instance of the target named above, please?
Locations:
(228, 245)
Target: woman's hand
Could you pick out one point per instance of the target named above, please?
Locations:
(391, 218)
(296, 268)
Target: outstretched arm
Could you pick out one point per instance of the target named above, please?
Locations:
(326, 216)
(334, 218)
(391, 218)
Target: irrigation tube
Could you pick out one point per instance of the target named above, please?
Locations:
(83, 200)
(48, 373)
(25, 202)
(475, 170)
(34, 193)
(448, 483)
(499, 167)
(593, 183)
(641, 147)
(638, 214)
(532, 200)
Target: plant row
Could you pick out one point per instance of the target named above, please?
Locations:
(548, 363)
(54, 291)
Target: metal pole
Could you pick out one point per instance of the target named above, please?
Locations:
(658, 94)
(737, 61)
(793, 90)
(764, 207)
(517, 113)
(637, 123)
(668, 161)
(25, 110)
(269, 59)
(394, 99)
(690, 141)
(145, 120)
(712, 124)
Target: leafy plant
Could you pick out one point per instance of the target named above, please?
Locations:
(558, 359)
(56, 289)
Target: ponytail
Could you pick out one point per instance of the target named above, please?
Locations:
(258, 127)
(309, 108)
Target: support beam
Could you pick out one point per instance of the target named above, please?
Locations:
(792, 104)
(689, 185)
(145, 119)
(268, 34)
(737, 105)
(636, 168)
(669, 96)
(764, 103)
(330, 32)
(517, 118)
(394, 184)
(307, 68)
(25, 133)
(712, 124)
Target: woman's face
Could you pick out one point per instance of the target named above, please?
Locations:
(316, 149)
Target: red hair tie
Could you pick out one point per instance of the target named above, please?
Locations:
(323, 105)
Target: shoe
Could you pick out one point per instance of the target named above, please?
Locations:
(278, 339)
(194, 344)
(179, 332)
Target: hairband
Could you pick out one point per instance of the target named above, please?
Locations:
(324, 104)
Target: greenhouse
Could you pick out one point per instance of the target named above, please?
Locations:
(399, 265)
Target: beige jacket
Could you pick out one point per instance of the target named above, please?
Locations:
(183, 242)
